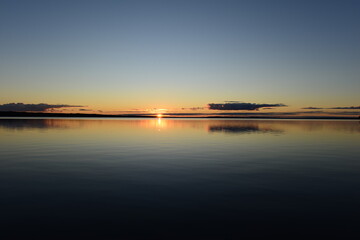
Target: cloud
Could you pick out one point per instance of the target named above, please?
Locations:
(352, 107)
(193, 108)
(312, 108)
(22, 107)
(234, 114)
(232, 105)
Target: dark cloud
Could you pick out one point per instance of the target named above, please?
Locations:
(193, 108)
(352, 107)
(312, 108)
(83, 109)
(227, 114)
(312, 112)
(232, 105)
(22, 107)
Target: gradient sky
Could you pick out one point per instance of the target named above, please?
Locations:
(123, 55)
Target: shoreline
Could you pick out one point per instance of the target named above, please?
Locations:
(84, 115)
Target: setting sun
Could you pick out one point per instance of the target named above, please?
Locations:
(159, 115)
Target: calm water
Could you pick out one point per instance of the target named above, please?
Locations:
(178, 179)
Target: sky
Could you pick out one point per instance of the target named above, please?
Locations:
(145, 55)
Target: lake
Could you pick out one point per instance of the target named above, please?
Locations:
(178, 178)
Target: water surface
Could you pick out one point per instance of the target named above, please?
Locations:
(178, 178)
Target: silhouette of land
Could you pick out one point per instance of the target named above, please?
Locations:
(68, 115)
(167, 115)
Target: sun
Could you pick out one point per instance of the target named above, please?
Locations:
(159, 115)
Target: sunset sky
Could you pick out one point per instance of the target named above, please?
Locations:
(118, 56)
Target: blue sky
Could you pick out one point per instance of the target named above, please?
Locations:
(121, 55)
